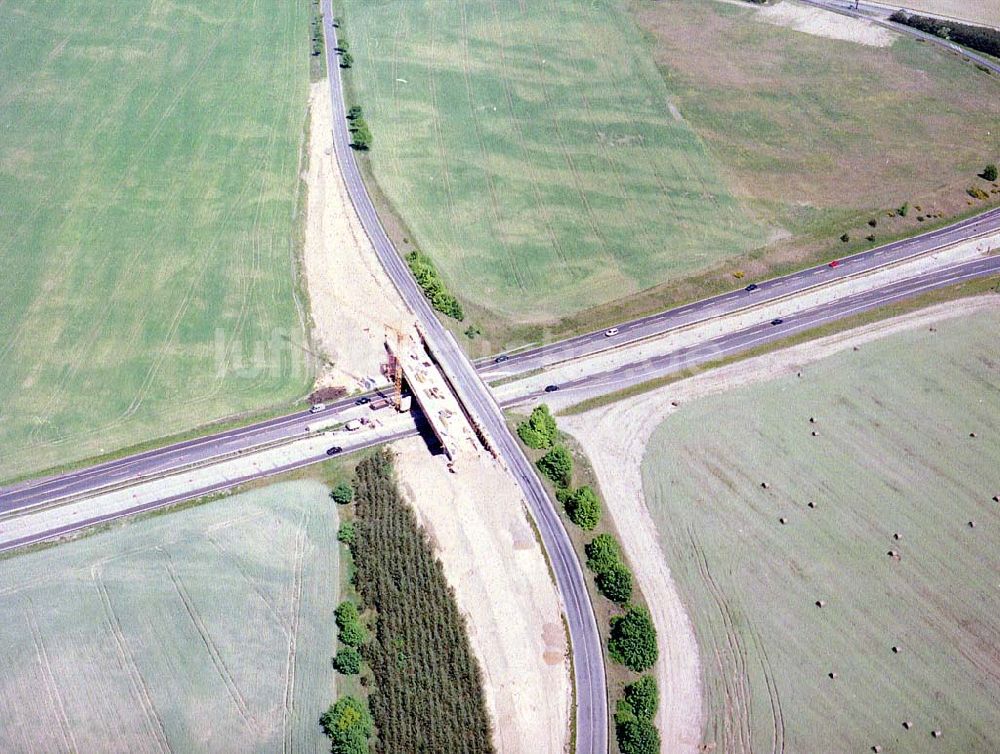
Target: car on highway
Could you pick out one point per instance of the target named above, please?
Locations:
(611, 332)
(777, 321)
(317, 407)
(334, 450)
(752, 287)
(500, 359)
(834, 263)
(362, 400)
(551, 388)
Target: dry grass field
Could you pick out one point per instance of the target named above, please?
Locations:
(974, 11)
(893, 454)
(208, 629)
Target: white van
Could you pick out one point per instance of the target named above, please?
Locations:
(317, 407)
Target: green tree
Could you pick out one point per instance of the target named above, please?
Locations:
(990, 172)
(347, 661)
(354, 113)
(539, 431)
(643, 697)
(361, 137)
(583, 507)
(638, 737)
(557, 465)
(602, 553)
(345, 613)
(347, 533)
(342, 494)
(615, 583)
(346, 60)
(633, 640)
(349, 724)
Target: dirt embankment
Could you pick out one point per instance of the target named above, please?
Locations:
(351, 299)
(479, 529)
(615, 437)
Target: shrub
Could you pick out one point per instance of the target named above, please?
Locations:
(583, 507)
(615, 583)
(602, 553)
(638, 737)
(633, 640)
(643, 697)
(345, 613)
(977, 193)
(347, 661)
(361, 137)
(342, 494)
(346, 533)
(539, 431)
(557, 465)
(354, 113)
(352, 633)
(990, 172)
(873, 222)
(348, 718)
(904, 210)
(432, 285)
(346, 60)
(845, 238)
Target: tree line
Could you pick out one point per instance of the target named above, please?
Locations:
(433, 286)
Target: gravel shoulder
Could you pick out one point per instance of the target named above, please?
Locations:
(352, 302)
(478, 527)
(615, 438)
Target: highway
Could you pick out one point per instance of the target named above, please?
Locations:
(468, 384)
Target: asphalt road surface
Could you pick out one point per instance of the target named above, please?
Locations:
(472, 393)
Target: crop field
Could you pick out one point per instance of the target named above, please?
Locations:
(209, 629)
(911, 637)
(814, 131)
(542, 172)
(148, 200)
(974, 11)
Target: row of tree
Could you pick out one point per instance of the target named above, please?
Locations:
(427, 693)
(978, 38)
(433, 286)
(361, 136)
(632, 636)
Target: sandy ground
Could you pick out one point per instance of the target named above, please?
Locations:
(615, 437)
(477, 522)
(822, 23)
(351, 298)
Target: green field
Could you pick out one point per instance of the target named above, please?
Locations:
(814, 131)
(893, 454)
(148, 219)
(210, 629)
(531, 149)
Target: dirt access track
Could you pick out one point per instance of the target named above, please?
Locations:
(615, 438)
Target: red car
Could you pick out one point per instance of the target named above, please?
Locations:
(834, 263)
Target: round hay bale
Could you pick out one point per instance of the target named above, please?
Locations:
(815, 433)
(907, 724)
(996, 498)
(812, 419)
(892, 554)
(897, 536)
(972, 434)
(877, 749)
(896, 649)
(832, 675)
(765, 485)
(936, 733)
(972, 524)
(820, 603)
(811, 504)
(857, 348)
(675, 404)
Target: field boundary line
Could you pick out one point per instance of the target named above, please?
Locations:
(213, 651)
(128, 661)
(51, 684)
(293, 630)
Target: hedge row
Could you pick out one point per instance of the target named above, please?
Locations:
(430, 282)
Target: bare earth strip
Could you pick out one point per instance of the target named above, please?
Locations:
(478, 527)
(615, 438)
(825, 24)
(351, 299)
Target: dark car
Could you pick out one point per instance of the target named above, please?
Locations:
(777, 321)
(751, 287)
(363, 400)
(334, 450)
(500, 359)
(551, 388)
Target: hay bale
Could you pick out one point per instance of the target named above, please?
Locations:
(812, 419)
(820, 603)
(936, 733)
(972, 434)
(832, 675)
(972, 524)
(765, 485)
(893, 554)
(907, 724)
(815, 433)
(897, 536)
(877, 749)
(782, 520)
(675, 404)
(811, 504)
(896, 649)
(857, 348)
(996, 498)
